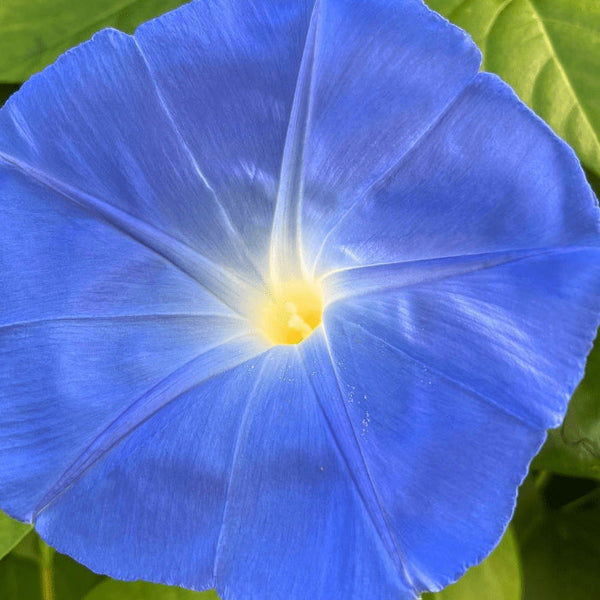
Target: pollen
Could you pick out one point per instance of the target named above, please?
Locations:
(291, 313)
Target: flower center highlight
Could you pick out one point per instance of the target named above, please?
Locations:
(292, 313)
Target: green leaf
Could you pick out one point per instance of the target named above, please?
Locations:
(561, 560)
(574, 448)
(11, 533)
(72, 581)
(497, 577)
(558, 542)
(34, 32)
(28, 547)
(19, 579)
(6, 89)
(594, 181)
(140, 590)
(549, 52)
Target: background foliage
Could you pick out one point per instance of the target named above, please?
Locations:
(549, 51)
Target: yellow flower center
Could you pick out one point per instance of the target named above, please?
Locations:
(292, 313)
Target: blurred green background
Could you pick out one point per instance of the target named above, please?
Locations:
(549, 51)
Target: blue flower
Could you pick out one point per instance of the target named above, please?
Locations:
(290, 295)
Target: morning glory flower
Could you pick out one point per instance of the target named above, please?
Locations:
(290, 294)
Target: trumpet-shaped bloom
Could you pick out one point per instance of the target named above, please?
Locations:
(290, 294)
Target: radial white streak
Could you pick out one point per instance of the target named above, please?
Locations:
(285, 253)
(208, 364)
(345, 284)
(233, 290)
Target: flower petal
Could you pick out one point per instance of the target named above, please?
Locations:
(489, 177)
(94, 127)
(384, 73)
(312, 97)
(445, 464)
(228, 71)
(450, 383)
(238, 484)
(162, 407)
(90, 320)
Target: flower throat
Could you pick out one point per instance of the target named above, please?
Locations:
(291, 313)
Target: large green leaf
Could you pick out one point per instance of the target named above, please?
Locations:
(140, 590)
(11, 533)
(19, 579)
(498, 577)
(549, 51)
(561, 560)
(34, 32)
(71, 579)
(28, 547)
(558, 541)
